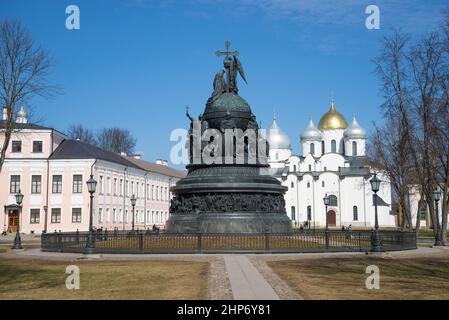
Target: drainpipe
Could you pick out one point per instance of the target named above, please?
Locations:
(145, 202)
(124, 197)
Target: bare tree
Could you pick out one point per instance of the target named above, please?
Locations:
(79, 132)
(116, 140)
(414, 142)
(395, 162)
(24, 68)
(426, 66)
(390, 143)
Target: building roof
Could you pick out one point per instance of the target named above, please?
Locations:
(74, 149)
(157, 168)
(30, 126)
(21, 126)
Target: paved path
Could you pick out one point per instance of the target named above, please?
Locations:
(246, 282)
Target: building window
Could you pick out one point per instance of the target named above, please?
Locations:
(309, 213)
(16, 146)
(322, 184)
(334, 146)
(294, 168)
(120, 216)
(115, 186)
(55, 215)
(57, 183)
(126, 216)
(100, 215)
(14, 184)
(355, 213)
(310, 167)
(308, 184)
(77, 183)
(312, 148)
(37, 146)
(35, 216)
(76, 215)
(108, 184)
(121, 187)
(292, 185)
(36, 183)
(325, 168)
(293, 211)
(114, 217)
(354, 148)
(101, 185)
(322, 147)
(333, 200)
(127, 188)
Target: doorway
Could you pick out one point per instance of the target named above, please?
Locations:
(331, 218)
(13, 220)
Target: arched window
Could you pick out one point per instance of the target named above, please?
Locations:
(334, 146)
(322, 147)
(292, 185)
(293, 211)
(309, 213)
(354, 148)
(333, 200)
(312, 148)
(294, 168)
(310, 167)
(355, 213)
(308, 184)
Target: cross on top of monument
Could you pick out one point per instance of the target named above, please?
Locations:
(227, 53)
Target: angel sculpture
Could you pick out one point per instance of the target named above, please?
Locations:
(236, 67)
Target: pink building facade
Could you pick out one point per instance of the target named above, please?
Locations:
(51, 172)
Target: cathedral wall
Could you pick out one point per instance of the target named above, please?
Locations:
(333, 134)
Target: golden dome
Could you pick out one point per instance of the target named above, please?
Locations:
(332, 119)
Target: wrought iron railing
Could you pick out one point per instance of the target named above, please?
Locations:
(295, 242)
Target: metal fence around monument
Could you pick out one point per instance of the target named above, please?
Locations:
(159, 242)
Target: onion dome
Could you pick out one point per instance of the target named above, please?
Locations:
(21, 116)
(277, 138)
(311, 133)
(354, 131)
(332, 119)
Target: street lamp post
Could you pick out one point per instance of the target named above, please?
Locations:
(17, 240)
(436, 195)
(326, 203)
(133, 203)
(90, 245)
(376, 245)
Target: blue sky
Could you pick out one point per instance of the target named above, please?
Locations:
(137, 63)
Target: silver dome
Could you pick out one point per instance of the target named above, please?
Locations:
(277, 138)
(311, 133)
(21, 113)
(354, 131)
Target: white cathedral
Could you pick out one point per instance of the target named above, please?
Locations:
(333, 164)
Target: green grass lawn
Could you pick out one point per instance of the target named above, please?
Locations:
(38, 279)
(344, 278)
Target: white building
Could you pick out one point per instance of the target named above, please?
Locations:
(51, 172)
(332, 163)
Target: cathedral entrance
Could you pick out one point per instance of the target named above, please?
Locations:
(331, 218)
